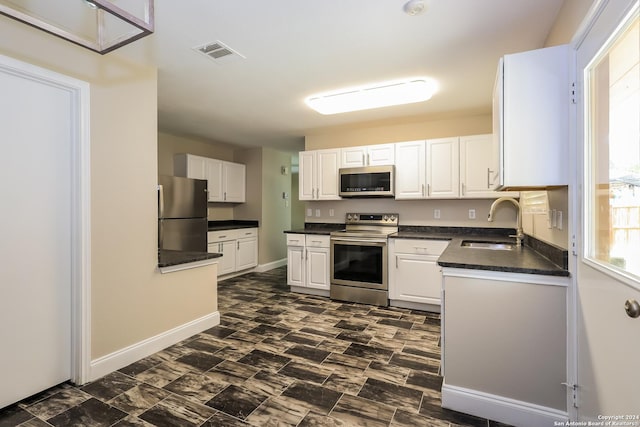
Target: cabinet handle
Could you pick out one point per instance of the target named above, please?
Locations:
(632, 308)
(422, 190)
(220, 247)
(428, 190)
(363, 159)
(238, 245)
(463, 189)
(306, 254)
(396, 261)
(222, 237)
(368, 159)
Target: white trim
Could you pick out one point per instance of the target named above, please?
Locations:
(309, 291)
(432, 308)
(187, 266)
(125, 356)
(81, 206)
(270, 265)
(538, 279)
(498, 408)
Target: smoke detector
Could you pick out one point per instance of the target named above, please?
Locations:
(219, 52)
(414, 7)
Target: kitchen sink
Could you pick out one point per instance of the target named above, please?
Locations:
(496, 246)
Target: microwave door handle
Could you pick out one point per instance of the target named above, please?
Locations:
(160, 201)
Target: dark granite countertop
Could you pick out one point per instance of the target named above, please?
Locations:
(231, 224)
(167, 258)
(317, 228)
(534, 257)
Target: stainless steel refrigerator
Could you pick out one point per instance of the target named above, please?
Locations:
(182, 214)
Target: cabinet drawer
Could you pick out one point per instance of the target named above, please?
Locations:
(295, 239)
(420, 246)
(222, 235)
(317, 241)
(246, 232)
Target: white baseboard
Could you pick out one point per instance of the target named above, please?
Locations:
(118, 359)
(502, 409)
(309, 291)
(433, 308)
(270, 265)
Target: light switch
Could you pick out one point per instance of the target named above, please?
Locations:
(472, 214)
(559, 219)
(331, 212)
(436, 214)
(309, 212)
(317, 212)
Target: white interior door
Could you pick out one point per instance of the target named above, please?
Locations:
(36, 239)
(607, 240)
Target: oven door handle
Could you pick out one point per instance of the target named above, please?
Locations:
(357, 240)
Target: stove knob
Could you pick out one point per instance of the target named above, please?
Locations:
(385, 218)
(348, 217)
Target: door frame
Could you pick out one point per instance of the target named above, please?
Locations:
(577, 164)
(80, 205)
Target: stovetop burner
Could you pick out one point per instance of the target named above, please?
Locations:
(369, 225)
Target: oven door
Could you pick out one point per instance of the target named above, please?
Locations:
(359, 262)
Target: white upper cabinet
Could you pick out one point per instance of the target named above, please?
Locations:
(318, 175)
(476, 166)
(225, 180)
(443, 168)
(233, 178)
(411, 170)
(427, 169)
(531, 108)
(370, 155)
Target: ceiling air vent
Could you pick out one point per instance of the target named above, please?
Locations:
(219, 52)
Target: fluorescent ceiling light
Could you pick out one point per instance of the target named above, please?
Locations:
(383, 94)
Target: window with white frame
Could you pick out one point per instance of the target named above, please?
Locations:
(612, 190)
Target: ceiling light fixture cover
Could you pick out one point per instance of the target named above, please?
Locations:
(383, 94)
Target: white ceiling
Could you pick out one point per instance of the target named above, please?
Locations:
(296, 48)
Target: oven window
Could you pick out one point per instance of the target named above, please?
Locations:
(357, 263)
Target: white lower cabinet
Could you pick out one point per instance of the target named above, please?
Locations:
(239, 249)
(308, 263)
(415, 280)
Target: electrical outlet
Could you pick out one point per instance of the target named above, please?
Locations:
(436, 213)
(554, 218)
(559, 219)
(309, 212)
(331, 212)
(317, 212)
(472, 214)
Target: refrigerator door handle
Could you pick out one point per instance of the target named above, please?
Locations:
(160, 201)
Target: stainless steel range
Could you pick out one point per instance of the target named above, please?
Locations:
(359, 264)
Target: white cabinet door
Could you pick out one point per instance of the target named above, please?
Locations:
(318, 175)
(443, 168)
(353, 157)
(535, 106)
(367, 155)
(306, 172)
(381, 154)
(327, 175)
(417, 278)
(476, 154)
(227, 262)
(317, 274)
(410, 170)
(234, 182)
(214, 179)
(295, 266)
(246, 253)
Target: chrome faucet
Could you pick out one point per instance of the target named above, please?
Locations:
(519, 234)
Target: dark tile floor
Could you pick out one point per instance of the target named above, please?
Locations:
(277, 359)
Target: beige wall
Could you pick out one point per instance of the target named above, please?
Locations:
(400, 130)
(567, 22)
(131, 300)
(276, 211)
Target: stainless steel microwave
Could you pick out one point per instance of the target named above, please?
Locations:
(367, 181)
